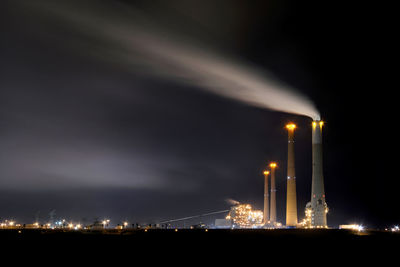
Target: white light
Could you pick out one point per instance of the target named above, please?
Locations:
(357, 227)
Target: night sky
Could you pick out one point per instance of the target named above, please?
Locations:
(90, 137)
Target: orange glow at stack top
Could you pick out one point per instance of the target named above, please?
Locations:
(314, 124)
(291, 126)
(273, 165)
(266, 172)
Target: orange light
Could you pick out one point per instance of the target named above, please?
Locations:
(291, 126)
(273, 165)
(266, 172)
(314, 124)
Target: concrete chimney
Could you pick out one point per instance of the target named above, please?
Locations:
(266, 197)
(318, 205)
(272, 215)
(291, 198)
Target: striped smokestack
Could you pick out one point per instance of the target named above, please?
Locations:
(318, 205)
(291, 199)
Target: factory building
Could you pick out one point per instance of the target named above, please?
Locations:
(243, 216)
(223, 223)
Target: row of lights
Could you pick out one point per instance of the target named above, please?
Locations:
(58, 224)
(175, 230)
(395, 228)
(355, 227)
(8, 223)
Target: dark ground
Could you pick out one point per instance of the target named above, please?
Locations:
(332, 245)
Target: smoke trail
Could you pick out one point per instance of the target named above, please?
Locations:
(125, 37)
(232, 202)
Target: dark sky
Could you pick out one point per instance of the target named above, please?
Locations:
(91, 138)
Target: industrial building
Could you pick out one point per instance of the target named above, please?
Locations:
(317, 209)
(243, 216)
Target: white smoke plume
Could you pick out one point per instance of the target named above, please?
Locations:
(232, 202)
(124, 37)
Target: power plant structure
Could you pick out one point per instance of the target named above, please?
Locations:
(243, 216)
(266, 198)
(317, 208)
(272, 215)
(291, 198)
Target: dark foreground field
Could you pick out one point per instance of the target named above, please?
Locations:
(294, 244)
(224, 237)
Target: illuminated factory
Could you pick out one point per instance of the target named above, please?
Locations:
(243, 216)
(316, 209)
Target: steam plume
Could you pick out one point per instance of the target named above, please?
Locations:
(126, 38)
(232, 202)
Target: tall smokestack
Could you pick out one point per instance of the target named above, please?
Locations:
(319, 207)
(272, 215)
(266, 197)
(291, 199)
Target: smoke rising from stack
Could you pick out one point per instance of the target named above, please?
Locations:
(123, 36)
(232, 202)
